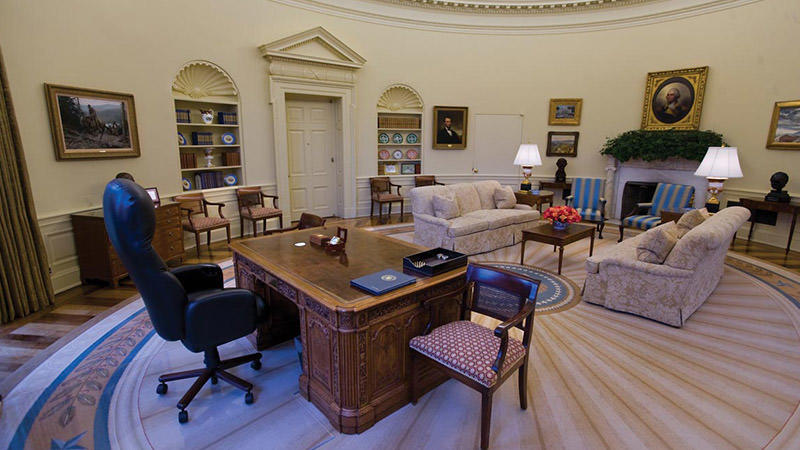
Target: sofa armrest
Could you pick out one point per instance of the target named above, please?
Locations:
(524, 207)
(432, 220)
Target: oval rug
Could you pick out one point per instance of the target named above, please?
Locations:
(556, 292)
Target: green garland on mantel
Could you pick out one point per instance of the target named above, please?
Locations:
(661, 144)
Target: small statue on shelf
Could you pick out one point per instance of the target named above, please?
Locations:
(209, 157)
(778, 180)
(561, 174)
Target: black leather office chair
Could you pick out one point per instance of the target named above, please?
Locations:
(187, 303)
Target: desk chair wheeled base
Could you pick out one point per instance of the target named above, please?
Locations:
(214, 370)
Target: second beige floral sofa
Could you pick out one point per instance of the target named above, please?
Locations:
(668, 292)
(480, 226)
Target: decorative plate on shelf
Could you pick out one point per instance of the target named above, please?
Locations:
(412, 138)
(383, 138)
(397, 138)
(397, 154)
(187, 185)
(228, 138)
(181, 139)
(384, 154)
(412, 154)
(230, 180)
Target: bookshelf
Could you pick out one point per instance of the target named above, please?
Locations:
(399, 132)
(210, 152)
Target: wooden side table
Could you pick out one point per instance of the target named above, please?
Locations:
(534, 199)
(545, 234)
(566, 187)
(754, 204)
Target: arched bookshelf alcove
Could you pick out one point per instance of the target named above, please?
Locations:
(399, 134)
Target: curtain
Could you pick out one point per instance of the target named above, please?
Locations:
(25, 285)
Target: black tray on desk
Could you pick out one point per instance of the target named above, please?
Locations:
(454, 260)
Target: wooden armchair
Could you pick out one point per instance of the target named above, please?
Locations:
(381, 191)
(587, 199)
(669, 197)
(252, 208)
(475, 355)
(197, 219)
(307, 220)
(426, 180)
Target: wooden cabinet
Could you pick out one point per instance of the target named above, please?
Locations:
(96, 256)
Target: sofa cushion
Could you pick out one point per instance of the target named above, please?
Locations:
(657, 243)
(486, 190)
(422, 198)
(690, 220)
(461, 226)
(466, 196)
(504, 198)
(498, 218)
(445, 207)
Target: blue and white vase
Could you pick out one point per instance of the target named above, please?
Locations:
(559, 226)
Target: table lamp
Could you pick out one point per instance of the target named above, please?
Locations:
(527, 157)
(719, 164)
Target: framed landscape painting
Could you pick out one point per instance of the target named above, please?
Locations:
(565, 111)
(450, 123)
(784, 131)
(673, 99)
(88, 123)
(562, 143)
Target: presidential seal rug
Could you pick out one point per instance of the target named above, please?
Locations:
(730, 378)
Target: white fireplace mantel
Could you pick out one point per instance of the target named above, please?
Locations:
(673, 170)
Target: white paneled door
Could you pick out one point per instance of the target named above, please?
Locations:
(312, 164)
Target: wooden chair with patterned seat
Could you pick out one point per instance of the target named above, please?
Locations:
(587, 199)
(307, 220)
(197, 219)
(426, 180)
(473, 354)
(381, 192)
(669, 197)
(252, 208)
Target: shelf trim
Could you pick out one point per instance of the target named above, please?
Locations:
(191, 146)
(205, 125)
(198, 169)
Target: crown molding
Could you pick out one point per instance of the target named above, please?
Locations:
(493, 17)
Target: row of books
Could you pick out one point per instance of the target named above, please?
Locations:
(231, 159)
(398, 122)
(208, 180)
(188, 160)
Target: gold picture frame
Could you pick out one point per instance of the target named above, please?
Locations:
(456, 137)
(673, 99)
(89, 123)
(784, 130)
(565, 111)
(562, 143)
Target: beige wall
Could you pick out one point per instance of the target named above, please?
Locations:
(138, 47)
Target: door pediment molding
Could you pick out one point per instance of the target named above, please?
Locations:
(316, 46)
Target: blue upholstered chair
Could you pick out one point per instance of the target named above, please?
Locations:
(670, 197)
(587, 198)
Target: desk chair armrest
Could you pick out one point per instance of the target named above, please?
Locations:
(394, 185)
(220, 205)
(199, 277)
(502, 332)
(273, 197)
(283, 230)
(217, 317)
(436, 183)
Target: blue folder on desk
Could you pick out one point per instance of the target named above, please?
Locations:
(382, 282)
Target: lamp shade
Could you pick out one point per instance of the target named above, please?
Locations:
(528, 155)
(720, 162)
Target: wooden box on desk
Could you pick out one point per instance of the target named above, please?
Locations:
(96, 256)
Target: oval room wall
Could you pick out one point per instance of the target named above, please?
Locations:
(137, 48)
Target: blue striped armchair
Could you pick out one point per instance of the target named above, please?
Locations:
(587, 198)
(670, 197)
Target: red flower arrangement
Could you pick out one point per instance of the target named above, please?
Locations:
(563, 214)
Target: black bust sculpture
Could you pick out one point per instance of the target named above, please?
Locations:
(561, 175)
(778, 180)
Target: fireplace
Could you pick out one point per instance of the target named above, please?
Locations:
(636, 192)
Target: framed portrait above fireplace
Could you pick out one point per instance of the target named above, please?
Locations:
(673, 99)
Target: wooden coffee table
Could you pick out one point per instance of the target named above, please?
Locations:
(545, 233)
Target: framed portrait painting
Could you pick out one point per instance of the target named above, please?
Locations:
(87, 123)
(450, 123)
(562, 143)
(784, 130)
(673, 99)
(565, 111)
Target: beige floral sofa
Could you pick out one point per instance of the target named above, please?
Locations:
(480, 226)
(668, 292)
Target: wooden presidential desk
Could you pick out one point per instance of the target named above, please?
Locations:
(356, 359)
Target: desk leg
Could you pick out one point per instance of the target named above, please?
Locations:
(560, 258)
(522, 255)
(591, 244)
(752, 224)
(791, 231)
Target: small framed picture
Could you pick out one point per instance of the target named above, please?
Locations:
(784, 131)
(450, 123)
(565, 111)
(407, 168)
(562, 143)
(390, 169)
(153, 193)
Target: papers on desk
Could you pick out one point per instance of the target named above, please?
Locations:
(382, 282)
